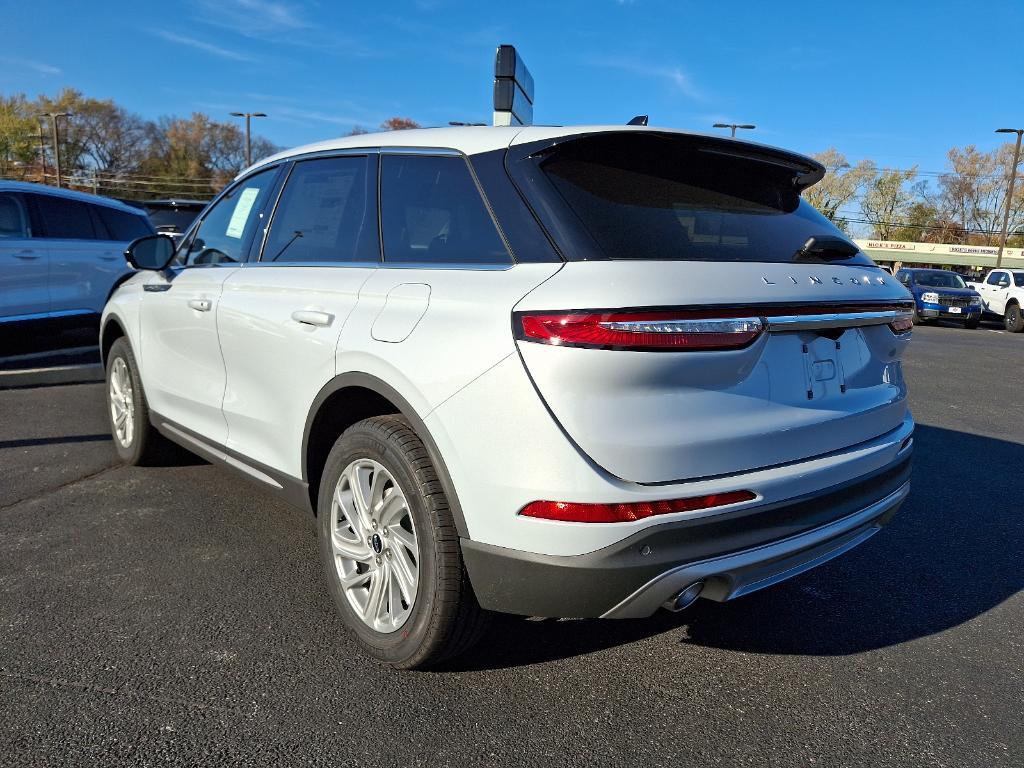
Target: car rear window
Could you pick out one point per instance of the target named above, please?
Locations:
(172, 219)
(121, 225)
(64, 218)
(655, 196)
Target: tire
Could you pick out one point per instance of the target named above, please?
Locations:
(404, 552)
(971, 324)
(1013, 320)
(135, 439)
(916, 319)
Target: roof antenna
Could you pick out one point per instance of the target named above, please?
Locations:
(638, 120)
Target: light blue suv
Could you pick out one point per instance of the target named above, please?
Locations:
(61, 252)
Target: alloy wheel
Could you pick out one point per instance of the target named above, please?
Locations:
(122, 402)
(374, 545)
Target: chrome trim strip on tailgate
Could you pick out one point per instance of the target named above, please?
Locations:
(832, 320)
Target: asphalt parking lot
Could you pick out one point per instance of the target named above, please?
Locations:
(177, 616)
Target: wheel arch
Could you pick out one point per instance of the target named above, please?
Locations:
(113, 328)
(349, 398)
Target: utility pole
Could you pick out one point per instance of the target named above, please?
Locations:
(42, 154)
(1009, 192)
(56, 145)
(734, 126)
(248, 136)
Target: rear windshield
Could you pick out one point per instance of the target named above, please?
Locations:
(939, 279)
(651, 196)
(172, 219)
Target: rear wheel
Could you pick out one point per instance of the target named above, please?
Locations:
(1012, 318)
(135, 439)
(390, 548)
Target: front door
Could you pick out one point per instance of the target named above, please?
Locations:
(183, 368)
(280, 317)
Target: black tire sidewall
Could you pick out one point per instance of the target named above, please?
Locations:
(1012, 319)
(404, 644)
(131, 454)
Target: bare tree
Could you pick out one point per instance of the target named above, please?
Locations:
(841, 185)
(888, 199)
(973, 191)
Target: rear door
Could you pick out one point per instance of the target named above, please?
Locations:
(710, 322)
(23, 262)
(182, 365)
(82, 268)
(280, 315)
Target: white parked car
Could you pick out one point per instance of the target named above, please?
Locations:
(61, 252)
(1002, 295)
(577, 372)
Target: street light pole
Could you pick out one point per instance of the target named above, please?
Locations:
(56, 145)
(734, 126)
(248, 135)
(1009, 192)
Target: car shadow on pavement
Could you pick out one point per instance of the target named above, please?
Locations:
(952, 553)
(32, 442)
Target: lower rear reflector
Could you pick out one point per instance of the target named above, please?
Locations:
(572, 512)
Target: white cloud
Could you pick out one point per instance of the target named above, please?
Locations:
(252, 18)
(673, 75)
(38, 66)
(201, 45)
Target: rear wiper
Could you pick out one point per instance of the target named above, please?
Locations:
(825, 248)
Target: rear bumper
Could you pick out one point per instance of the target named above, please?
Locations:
(733, 554)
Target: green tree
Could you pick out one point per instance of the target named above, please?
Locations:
(19, 138)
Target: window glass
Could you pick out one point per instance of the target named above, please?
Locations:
(650, 196)
(64, 218)
(121, 225)
(13, 217)
(227, 229)
(994, 278)
(903, 277)
(1018, 279)
(432, 212)
(327, 212)
(939, 279)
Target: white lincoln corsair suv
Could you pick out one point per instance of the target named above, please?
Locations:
(576, 372)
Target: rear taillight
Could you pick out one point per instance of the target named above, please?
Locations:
(647, 331)
(700, 329)
(903, 323)
(572, 512)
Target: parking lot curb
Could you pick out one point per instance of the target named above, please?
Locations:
(44, 377)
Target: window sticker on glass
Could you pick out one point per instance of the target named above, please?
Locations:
(241, 213)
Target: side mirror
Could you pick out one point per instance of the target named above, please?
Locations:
(151, 252)
(1004, 283)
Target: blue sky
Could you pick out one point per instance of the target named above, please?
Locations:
(899, 82)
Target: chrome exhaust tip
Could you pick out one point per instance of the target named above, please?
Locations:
(684, 598)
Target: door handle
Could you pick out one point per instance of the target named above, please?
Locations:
(312, 317)
(26, 255)
(201, 305)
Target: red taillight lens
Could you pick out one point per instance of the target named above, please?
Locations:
(642, 330)
(903, 323)
(572, 512)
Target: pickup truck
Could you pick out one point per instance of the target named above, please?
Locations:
(1002, 294)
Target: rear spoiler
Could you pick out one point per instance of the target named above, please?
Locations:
(806, 172)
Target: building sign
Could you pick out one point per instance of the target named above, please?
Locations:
(891, 246)
(973, 249)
